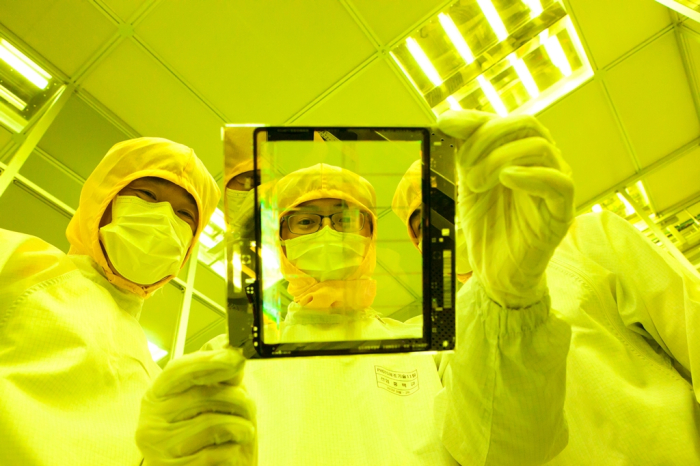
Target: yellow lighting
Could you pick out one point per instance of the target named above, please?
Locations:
(12, 99)
(454, 105)
(457, 40)
(157, 353)
(23, 65)
(524, 75)
(493, 96)
(629, 210)
(403, 70)
(555, 52)
(597, 208)
(493, 19)
(535, 7)
(423, 61)
(237, 269)
(640, 187)
(206, 241)
(217, 219)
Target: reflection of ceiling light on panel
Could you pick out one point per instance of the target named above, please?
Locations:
(688, 8)
(24, 87)
(502, 57)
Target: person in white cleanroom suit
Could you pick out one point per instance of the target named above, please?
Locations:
(498, 400)
(74, 362)
(633, 310)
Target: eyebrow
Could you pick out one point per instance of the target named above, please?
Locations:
(163, 182)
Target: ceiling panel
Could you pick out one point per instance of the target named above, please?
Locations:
(584, 128)
(65, 33)
(132, 84)
(675, 182)
(612, 28)
(388, 19)
(48, 176)
(159, 317)
(79, 137)
(652, 96)
(124, 8)
(375, 96)
(259, 61)
(23, 211)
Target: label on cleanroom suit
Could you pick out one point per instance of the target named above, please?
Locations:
(399, 383)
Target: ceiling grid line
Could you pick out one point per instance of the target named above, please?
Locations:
(33, 54)
(412, 91)
(142, 12)
(638, 48)
(643, 173)
(142, 44)
(582, 37)
(95, 59)
(103, 8)
(347, 78)
(688, 65)
(620, 125)
(106, 113)
(362, 23)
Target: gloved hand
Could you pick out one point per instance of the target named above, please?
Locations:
(515, 201)
(197, 413)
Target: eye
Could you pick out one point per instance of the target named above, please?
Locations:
(147, 193)
(186, 214)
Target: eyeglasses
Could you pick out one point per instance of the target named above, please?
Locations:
(347, 221)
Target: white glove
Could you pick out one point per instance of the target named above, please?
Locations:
(515, 201)
(197, 413)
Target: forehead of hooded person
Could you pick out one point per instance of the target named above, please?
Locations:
(408, 196)
(128, 161)
(323, 181)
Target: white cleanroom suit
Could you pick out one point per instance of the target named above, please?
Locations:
(74, 362)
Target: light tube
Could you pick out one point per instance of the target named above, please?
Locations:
(524, 75)
(413, 83)
(206, 241)
(454, 105)
(535, 8)
(492, 95)
(219, 267)
(237, 269)
(555, 52)
(640, 186)
(597, 208)
(629, 210)
(157, 353)
(218, 219)
(457, 40)
(423, 61)
(12, 99)
(493, 19)
(23, 65)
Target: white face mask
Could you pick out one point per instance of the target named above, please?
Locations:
(327, 254)
(235, 199)
(146, 241)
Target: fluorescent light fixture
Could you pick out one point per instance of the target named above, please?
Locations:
(12, 99)
(209, 230)
(23, 65)
(454, 105)
(157, 353)
(684, 7)
(220, 268)
(640, 187)
(423, 61)
(493, 96)
(494, 20)
(597, 208)
(524, 75)
(218, 219)
(555, 52)
(405, 73)
(629, 210)
(11, 118)
(237, 269)
(206, 241)
(457, 40)
(535, 7)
